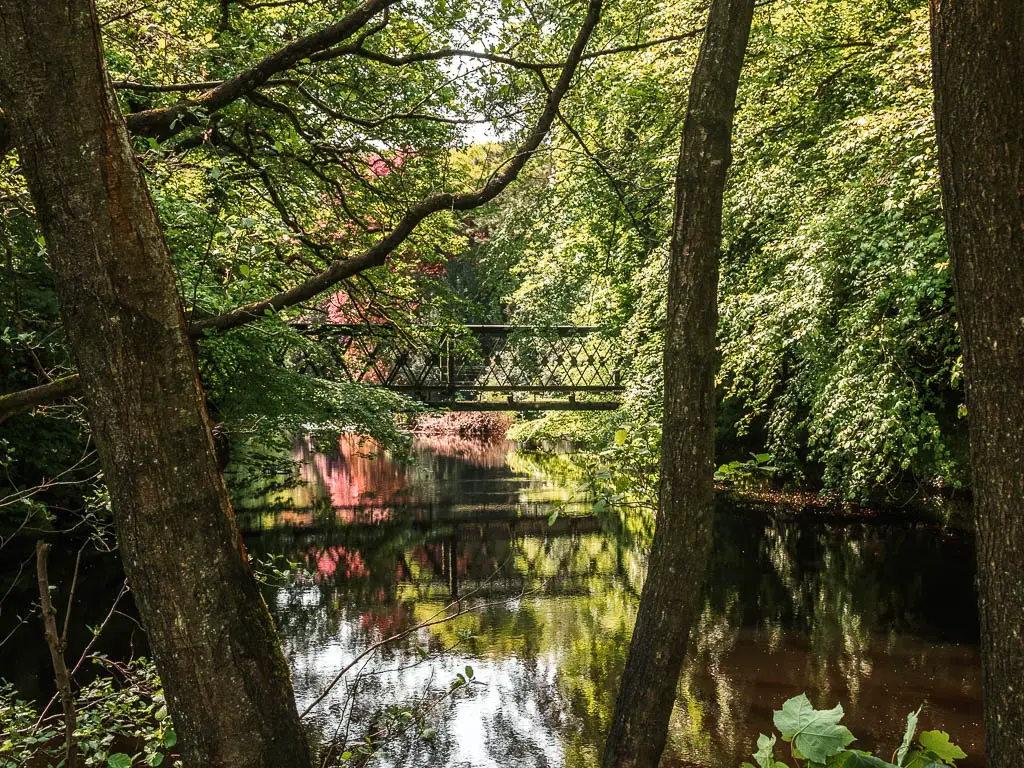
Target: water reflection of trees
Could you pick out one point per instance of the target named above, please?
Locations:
(847, 613)
(879, 617)
(440, 477)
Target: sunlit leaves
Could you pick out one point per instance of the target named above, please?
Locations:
(815, 734)
(837, 327)
(937, 743)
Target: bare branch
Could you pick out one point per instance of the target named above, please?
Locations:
(85, 654)
(56, 646)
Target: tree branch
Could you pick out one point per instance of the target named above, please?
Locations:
(377, 254)
(497, 58)
(165, 122)
(204, 85)
(26, 399)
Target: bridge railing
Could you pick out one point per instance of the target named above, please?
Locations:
(464, 363)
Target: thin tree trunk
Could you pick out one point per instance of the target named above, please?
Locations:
(673, 591)
(227, 682)
(56, 644)
(978, 64)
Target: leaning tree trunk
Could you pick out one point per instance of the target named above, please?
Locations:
(227, 682)
(673, 592)
(978, 63)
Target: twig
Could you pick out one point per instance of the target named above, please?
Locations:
(14, 583)
(430, 622)
(71, 596)
(88, 648)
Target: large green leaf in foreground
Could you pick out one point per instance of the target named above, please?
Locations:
(816, 734)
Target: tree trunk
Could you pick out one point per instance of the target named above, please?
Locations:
(227, 682)
(978, 64)
(673, 592)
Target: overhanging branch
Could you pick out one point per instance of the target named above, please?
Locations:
(376, 255)
(496, 58)
(165, 122)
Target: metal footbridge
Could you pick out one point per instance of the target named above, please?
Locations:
(476, 367)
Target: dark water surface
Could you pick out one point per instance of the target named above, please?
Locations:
(879, 617)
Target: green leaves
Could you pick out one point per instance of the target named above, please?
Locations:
(119, 760)
(908, 737)
(815, 734)
(764, 755)
(936, 748)
(937, 745)
(819, 741)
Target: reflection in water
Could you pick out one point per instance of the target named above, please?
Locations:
(878, 617)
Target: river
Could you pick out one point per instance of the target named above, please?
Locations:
(877, 616)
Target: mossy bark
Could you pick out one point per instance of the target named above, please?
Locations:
(227, 682)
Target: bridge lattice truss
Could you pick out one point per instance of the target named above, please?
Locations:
(477, 367)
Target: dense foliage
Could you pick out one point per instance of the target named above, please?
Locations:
(838, 338)
(839, 347)
(121, 711)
